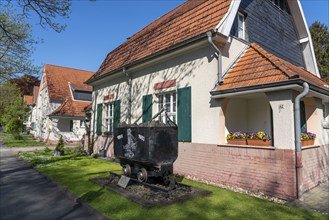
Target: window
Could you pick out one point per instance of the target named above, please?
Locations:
(241, 26)
(168, 102)
(326, 115)
(109, 117)
(71, 125)
(82, 123)
(282, 4)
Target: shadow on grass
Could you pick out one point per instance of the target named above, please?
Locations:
(91, 195)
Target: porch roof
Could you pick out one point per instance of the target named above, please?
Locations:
(71, 108)
(258, 68)
(189, 20)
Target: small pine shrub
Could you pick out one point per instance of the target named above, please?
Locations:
(60, 144)
(47, 150)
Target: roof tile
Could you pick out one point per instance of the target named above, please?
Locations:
(257, 66)
(192, 18)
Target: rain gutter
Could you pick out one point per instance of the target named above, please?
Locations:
(298, 149)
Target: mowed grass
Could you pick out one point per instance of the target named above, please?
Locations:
(74, 172)
(26, 141)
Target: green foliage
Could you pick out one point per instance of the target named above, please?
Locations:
(320, 38)
(221, 204)
(12, 107)
(25, 140)
(47, 150)
(17, 43)
(14, 126)
(60, 144)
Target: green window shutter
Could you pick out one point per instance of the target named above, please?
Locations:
(303, 117)
(147, 108)
(99, 119)
(184, 114)
(117, 113)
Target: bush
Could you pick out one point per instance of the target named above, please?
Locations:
(17, 136)
(95, 155)
(47, 150)
(15, 125)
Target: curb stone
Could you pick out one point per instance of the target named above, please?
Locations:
(68, 193)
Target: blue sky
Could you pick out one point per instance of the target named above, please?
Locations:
(96, 28)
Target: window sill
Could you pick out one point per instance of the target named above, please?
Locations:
(310, 147)
(247, 146)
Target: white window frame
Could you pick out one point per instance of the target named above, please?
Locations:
(82, 124)
(109, 113)
(171, 110)
(241, 32)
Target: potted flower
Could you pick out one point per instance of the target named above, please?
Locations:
(259, 138)
(307, 138)
(237, 137)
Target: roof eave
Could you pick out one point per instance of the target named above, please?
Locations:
(287, 84)
(150, 57)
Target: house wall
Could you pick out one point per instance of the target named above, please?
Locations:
(196, 68)
(249, 114)
(267, 170)
(273, 29)
(45, 128)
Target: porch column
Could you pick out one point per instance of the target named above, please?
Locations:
(283, 119)
(222, 128)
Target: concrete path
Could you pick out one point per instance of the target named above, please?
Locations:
(316, 199)
(25, 194)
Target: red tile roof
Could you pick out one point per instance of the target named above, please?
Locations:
(58, 78)
(27, 99)
(71, 108)
(192, 18)
(258, 67)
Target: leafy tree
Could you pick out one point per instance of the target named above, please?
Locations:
(26, 83)
(16, 42)
(320, 38)
(11, 104)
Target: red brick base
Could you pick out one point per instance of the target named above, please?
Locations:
(271, 171)
(315, 166)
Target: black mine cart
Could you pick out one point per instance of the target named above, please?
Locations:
(146, 151)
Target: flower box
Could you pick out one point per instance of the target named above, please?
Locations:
(255, 142)
(307, 142)
(237, 141)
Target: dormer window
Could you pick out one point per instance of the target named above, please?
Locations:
(241, 26)
(282, 4)
(80, 93)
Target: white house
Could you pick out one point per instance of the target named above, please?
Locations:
(61, 98)
(221, 66)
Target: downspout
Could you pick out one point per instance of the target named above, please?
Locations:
(129, 95)
(298, 149)
(219, 57)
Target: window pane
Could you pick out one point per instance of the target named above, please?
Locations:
(174, 102)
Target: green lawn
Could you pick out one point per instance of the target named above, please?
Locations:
(74, 172)
(26, 141)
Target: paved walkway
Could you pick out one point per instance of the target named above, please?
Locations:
(316, 199)
(25, 194)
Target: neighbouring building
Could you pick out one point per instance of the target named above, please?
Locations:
(28, 100)
(61, 98)
(220, 66)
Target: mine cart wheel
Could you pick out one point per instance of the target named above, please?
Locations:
(142, 175)
(166, 178)
(126, 169)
